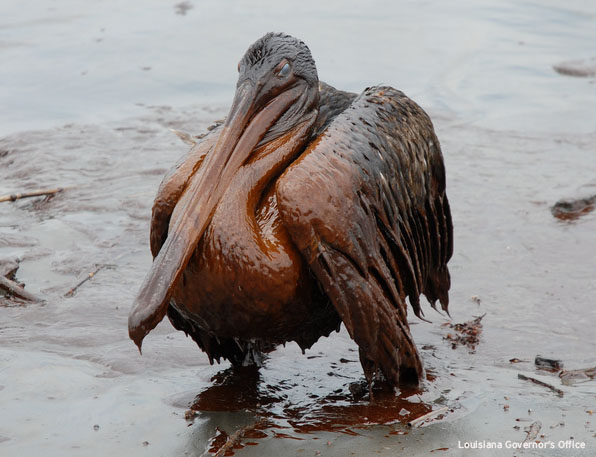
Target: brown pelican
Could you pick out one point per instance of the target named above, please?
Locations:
(308, 207)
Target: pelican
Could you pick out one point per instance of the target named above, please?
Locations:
(307, 207)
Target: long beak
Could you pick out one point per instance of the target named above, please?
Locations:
(244, 128)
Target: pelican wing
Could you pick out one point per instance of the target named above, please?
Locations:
(171, 188)
(366, 205)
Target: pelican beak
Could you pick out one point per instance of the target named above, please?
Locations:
(244, 128)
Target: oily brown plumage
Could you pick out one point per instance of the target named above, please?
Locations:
(377, 226)
(337, 213)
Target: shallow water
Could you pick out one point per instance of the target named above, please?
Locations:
(89, 92)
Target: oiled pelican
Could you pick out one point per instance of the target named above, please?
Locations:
(308, 207)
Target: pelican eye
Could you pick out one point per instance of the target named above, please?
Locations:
(285, 70)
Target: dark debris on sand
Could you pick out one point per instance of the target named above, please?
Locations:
(466, 334)
(583, 68)
(570, 210)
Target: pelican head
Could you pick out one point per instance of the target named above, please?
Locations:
(277, 90)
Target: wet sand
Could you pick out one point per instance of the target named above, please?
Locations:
(89, 97)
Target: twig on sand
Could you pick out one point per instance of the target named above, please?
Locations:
(98, 267)
(9, 267)
(235, 438)
(559, 392)
(420, 420)
(15, 289)
(36, 193)
(72, 291)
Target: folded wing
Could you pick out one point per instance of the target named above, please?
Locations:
(366, 205)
